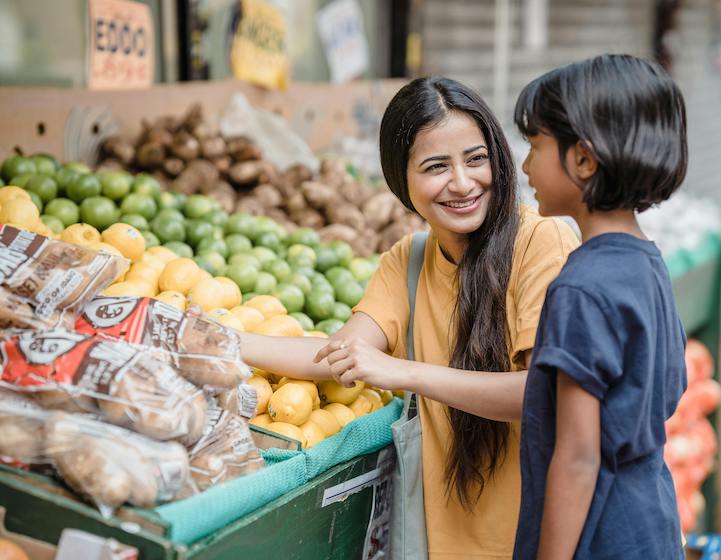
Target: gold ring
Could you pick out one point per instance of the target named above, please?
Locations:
(342, 345)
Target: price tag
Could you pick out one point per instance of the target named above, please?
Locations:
(121, 46)
(377, 541)
(340, 26)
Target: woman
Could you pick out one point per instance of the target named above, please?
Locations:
(486, 267)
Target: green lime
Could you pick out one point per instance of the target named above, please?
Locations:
(37, 201)
(238, 243)
(168, 200)
(264, 224)
(21, 180)
(218, 233)
(326, 258)
(79, 167)
(362, 269)
(168, 229)
(247, 296)
(99, 212)
(64, 176)
(303, 282)
(306, 271)
(210, 244)
(364, 284)
(45, 164)
(135, 220)
(17, 165)
(264, 255)
(63, 209)
(211, 262)
(265, 283)
(44, 186)
(115, 184)
(245, 275)
(170, 214)
(329, 326)
(216, 217)
(82, 187)
(319, 305)
(196, 231)
(179, 248)
(146, 185)
(304, 236)
(339, 275)
(245, 258)
(55, 225)
(341, 311)
(216, 258)
(343, 251)
(151, 240)
(301, 255)
(290, 296)
(241, 223)
(349, 293)
(197, 206)
(269, 239)
(278, 268)
(136, 203)
(305, 321)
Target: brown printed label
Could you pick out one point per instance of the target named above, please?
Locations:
(163, 326)
(17, 249)
(103, 362)
(45, 347)
(62, 283)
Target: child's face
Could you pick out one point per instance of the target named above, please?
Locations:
(449, 175)
(556, 192)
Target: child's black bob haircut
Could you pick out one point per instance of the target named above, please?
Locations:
(628, 112)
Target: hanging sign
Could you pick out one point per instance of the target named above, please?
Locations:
(340, 26)
(121, 45)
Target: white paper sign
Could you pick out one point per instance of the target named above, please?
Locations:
(340, 26)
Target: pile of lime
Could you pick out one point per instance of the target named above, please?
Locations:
(317, 283)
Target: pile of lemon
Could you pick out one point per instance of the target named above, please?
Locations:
(18, 210)
(311, 411)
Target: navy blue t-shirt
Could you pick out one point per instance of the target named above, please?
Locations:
(610, 323)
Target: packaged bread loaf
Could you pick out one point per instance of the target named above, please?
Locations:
(203, 351)
(44, 282)
(22, 423)
(123, 383)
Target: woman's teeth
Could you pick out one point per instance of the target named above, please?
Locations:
(463, 204)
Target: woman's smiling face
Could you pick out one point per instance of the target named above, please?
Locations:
(449, 176)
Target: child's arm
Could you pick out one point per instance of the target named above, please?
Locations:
(573, 470)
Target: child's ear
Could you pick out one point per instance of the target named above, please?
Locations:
(585, 160)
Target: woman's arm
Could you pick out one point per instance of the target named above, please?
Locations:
(293, 356)
(496, 396)
(572, 474)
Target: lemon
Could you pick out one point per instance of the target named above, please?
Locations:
(280, 325)
(179, 275)
(373, 397)
(162, 253)
(231, 292)
(262, 373)
(262, 420)
(217, 313)
(154, 262)
(263, 390)
(386, 396)
(291, 404)
(21, 211)
(309, 386)
(80, 234)
(207, 293)
(232, 321)
(333, 392)
(316, 334)
(140, 272)
(312, 432)
(288, 430)
(204, 275)
(100, 246)
(361, 406)
(342, 413)
(326, 421)
(10, 192)
(269, 306)
(250, 317)
(128, 240)
(176, 299)
(127, 288)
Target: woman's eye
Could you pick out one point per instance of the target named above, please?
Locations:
(435, 167)
(478, 158)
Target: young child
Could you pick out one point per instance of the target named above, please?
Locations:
(608, 139)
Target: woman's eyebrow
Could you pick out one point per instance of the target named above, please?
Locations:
(473, 149)
(433, 158)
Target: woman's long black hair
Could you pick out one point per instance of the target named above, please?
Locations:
(479, 445)
(628, 112)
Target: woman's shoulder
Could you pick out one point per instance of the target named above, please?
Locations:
(544, 234)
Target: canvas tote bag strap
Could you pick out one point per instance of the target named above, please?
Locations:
(415, 264)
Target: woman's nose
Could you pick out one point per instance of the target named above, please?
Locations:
(461, 182)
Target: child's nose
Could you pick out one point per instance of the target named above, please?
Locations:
(524, 167)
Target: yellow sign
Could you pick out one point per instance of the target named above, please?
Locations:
(258, 54)
(121, 46)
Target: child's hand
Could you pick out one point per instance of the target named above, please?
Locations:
(356, 360)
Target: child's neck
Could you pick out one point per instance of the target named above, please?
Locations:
(597, 223)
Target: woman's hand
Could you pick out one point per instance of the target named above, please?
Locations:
(357, 360)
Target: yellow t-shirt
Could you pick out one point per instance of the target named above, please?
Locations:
(541, 248)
